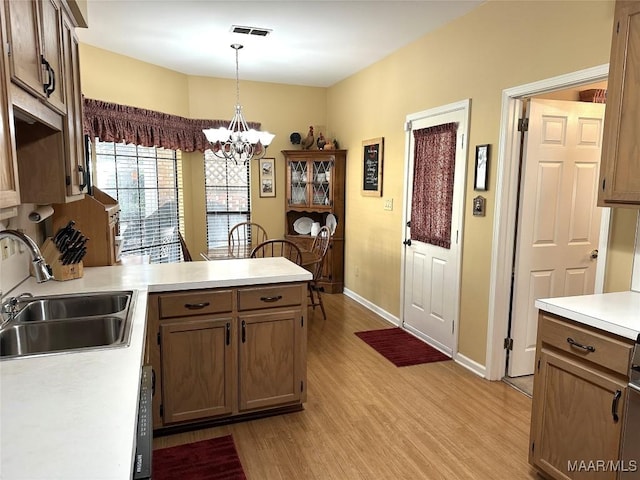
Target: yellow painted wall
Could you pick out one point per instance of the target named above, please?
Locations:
(622, 234)
(499, 45)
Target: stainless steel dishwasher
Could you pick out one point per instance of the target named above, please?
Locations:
(630, 468)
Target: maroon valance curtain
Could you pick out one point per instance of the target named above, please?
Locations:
(433, 175)
(112, 122)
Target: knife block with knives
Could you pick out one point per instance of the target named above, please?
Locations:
(53, 257)
(64, 252)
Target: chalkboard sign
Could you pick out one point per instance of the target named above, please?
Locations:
(372, 156)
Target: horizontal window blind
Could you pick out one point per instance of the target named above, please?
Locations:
(147, 182)
(228, 199)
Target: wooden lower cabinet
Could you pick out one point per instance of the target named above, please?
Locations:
(221, 353)
(578, 401)
(198, 374)
(269, 366)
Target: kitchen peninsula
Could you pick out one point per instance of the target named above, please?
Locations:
(73, 415)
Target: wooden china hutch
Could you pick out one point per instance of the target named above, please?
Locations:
(315, 184)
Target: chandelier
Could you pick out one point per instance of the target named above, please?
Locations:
(238, 143)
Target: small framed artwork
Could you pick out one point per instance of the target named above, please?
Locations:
(268, 177)
(481, 179)
(372, 160)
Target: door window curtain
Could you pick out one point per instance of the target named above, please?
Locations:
(112, 122)
(433, 176)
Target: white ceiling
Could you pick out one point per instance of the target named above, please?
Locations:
(314, 42)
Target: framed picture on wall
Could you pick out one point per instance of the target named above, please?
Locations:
(372, 160)
(268, 177)
(481, 179)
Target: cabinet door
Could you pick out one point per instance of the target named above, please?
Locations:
(24, 44)
(74, 136)
(620, 167)
(321, 186)
(197, 368)
(9, 190)
(298, 185)
(573, 408)
(51, 24)
(271, 359)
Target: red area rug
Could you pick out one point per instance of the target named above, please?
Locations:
(401, 348)
(214, 459)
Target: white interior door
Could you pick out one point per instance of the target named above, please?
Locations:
(431, 283)
(558, 220)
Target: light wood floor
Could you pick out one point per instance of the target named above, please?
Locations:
(368, 419)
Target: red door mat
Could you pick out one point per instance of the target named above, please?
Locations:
(214, 459)
(401, 348)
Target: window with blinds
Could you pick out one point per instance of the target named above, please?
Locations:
(147, 182)
(228, 200)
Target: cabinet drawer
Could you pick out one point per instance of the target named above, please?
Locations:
(598, 348)
(270, 297)
(195, 303)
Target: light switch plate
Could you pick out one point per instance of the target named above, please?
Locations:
(388, 204)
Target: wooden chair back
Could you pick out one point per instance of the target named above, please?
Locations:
(243, 237)
(278, 248)
(319, 250)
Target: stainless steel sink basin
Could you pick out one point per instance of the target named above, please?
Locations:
(60, 335)
(59, 307)
(64, 323)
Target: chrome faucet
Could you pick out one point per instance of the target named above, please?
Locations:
(42, 271)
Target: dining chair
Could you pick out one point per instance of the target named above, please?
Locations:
(278, 248)
(243, 237)
(319, 250)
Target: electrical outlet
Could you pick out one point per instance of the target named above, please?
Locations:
(388, 204)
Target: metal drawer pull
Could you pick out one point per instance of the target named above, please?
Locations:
(573, 343)
(196, 306)
(271, 299)
(614, 405)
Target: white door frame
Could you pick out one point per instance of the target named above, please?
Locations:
(465, 106)
(505, 212)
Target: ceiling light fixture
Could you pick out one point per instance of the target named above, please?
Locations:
(238, 143)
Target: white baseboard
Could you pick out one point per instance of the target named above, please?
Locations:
(471, 365)
(374, 308)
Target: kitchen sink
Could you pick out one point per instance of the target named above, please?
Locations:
(66, 323)
(60, 307)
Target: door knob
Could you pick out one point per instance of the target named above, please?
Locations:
(407, 242)
(594, 253)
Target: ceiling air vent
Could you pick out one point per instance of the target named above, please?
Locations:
(259, 32)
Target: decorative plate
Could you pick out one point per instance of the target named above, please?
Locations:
(303, 225)
(332, 223)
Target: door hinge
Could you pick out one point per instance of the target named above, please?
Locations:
(523, 124)
(618, 27)
(533, 446)
(161, 410)
(301, 386)
(538, 365)
(462, 145)
(302, 321)
(453, 327)
(407, 126)
(508, 343)
(9, 48)
(67, 180)
(604, 181)
(158, 338)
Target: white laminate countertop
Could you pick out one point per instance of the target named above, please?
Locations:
(73, 415)
(617, 313)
